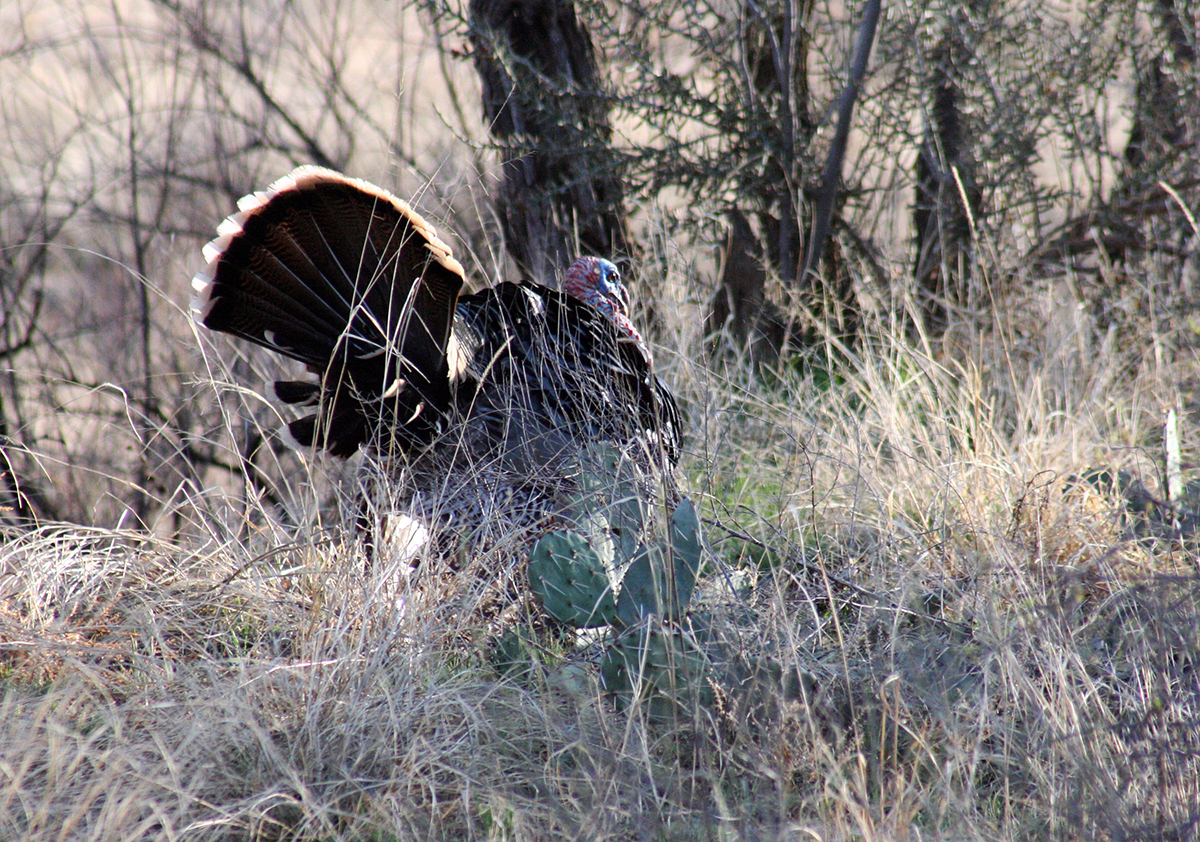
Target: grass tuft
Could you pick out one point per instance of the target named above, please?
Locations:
(942, 598)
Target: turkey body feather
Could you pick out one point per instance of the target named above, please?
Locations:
(550, 372)
(517, 378)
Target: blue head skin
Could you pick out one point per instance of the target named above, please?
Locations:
(609, 285)
(597, 282)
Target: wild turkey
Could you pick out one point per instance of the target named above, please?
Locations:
(482, 410)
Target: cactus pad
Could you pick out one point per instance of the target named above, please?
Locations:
(660, 581)
(569, 579)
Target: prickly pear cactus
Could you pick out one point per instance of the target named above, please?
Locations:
(515, 653)
(608, 506)
(652, 657)
(653, 653)
(569, 579)
(685, 544)
(658, 665)
(660, 581)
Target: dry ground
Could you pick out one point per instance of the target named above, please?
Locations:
(949, 599)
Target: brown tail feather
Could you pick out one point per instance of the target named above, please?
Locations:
(344, 277)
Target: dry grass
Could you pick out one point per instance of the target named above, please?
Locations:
(944, 598)
(935, 630)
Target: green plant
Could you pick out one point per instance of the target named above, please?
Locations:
(568, 578)
(647, 651)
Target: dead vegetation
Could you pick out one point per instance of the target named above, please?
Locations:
(951, 582)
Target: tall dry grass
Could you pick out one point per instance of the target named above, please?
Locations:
(946, 595)
(939, 630)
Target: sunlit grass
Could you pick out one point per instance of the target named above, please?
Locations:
(926, 620)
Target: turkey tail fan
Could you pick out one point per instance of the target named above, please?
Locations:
(349, 280)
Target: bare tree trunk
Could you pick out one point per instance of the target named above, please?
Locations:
(740, 310)
(1162, 115)
(948, 198)
(831, 294)
(776, 41)
(560, 190)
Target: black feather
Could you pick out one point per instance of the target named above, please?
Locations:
(350, 281)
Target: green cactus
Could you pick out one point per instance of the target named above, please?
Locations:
(574, 581)
(661, 581)
(685, 542)
(649, 655)
(659, 665)
(570, 580)
(514, 653)
(608, 507)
